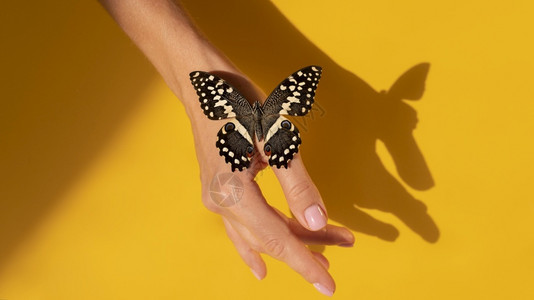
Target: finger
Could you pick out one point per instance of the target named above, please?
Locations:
(266, 231)
(249, 256)
(302, 195)
(263, 227)
(322, 259)
(329, 235)
(311, 267)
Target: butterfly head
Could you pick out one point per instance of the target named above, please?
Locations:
(256, 107)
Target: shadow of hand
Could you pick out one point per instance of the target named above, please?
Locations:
(349, 173)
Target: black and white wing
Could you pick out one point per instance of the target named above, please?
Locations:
(282, 140)
(218, 99)
(235, 145)
(295, 95)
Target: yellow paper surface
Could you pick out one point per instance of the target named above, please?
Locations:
(99, 189)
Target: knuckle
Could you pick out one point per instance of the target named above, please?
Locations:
(299, 189)
(275, 247)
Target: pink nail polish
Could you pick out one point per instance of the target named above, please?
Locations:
(315, 217)
(255, 274)
(321, 288)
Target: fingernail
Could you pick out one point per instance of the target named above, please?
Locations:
(321, 288)
(255, 274)
(315, 217)
(346, 245)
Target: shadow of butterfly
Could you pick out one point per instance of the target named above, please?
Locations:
(235, 140)
(395, 124)
(411, 84)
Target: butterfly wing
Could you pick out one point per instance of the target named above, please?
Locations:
(218, 99)
(235, 144)
(295, 95)
(282, 140)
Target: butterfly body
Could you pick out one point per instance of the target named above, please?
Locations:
(254, 119)
(235, 140)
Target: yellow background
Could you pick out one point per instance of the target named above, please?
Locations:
(99, 190)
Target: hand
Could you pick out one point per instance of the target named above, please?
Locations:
(163, 31)
(251, 223)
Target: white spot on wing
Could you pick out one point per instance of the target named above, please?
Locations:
(220, 102)
(241, 129)
(228, 110)
(285, 108)
(293, 99)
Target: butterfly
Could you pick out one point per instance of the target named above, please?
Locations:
(235, 140)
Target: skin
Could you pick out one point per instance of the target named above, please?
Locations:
(165, 34)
